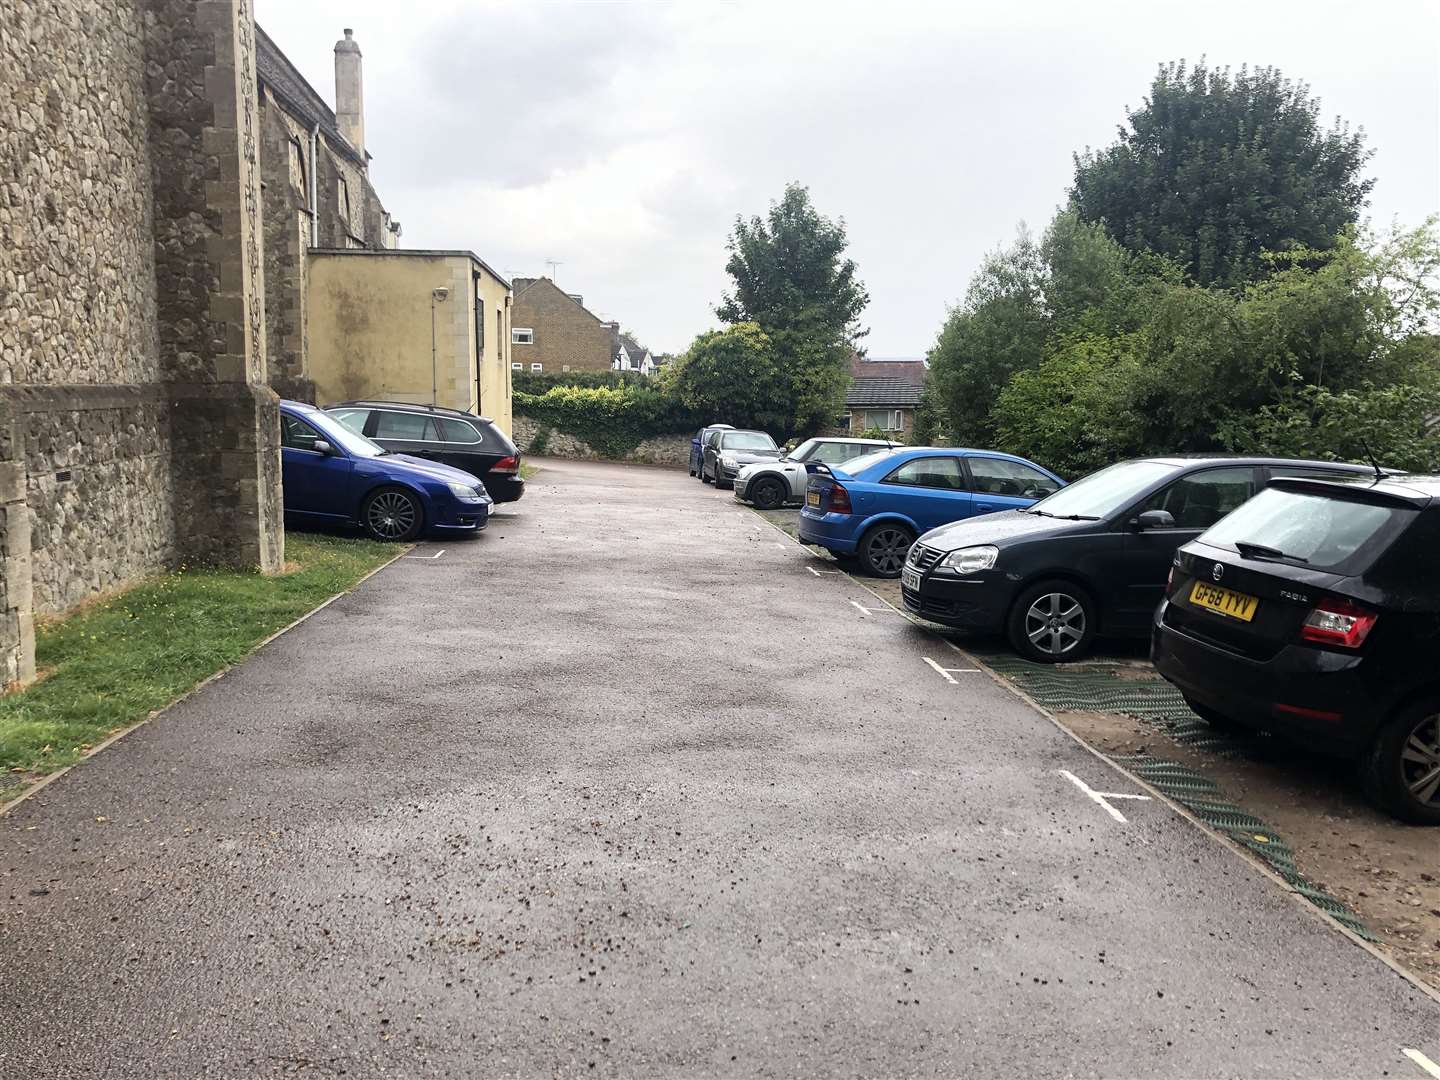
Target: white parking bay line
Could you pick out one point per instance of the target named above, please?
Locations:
(821, 573)
(427, 558)
(1102, 797)
(1424, 1062)
(874, 611)
(943, 673)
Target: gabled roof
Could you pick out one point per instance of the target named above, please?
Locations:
(872, 391)
(283, 79)
(634, 348)
(522, 285)
(915, 370)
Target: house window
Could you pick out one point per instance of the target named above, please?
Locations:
(342, 193)
(537, 367)
(500, 334)
(517, 366)
(885, 419)
(522, 335)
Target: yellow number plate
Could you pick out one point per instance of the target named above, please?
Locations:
(1234, 604)
(812, 498)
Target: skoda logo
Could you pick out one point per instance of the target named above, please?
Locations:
(1218, 572)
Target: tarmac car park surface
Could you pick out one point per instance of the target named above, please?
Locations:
(594, 851)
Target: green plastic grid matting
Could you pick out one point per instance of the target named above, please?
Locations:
(1102, 687)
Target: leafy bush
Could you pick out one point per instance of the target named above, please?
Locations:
(612, 420)
(1400, 425)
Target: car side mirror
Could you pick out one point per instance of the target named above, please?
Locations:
(1155, 519)
(322, 447)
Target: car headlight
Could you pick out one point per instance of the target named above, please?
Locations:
(729, 463)
(972, 560)
(465, 493)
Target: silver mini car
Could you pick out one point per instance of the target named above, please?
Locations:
(771, 484)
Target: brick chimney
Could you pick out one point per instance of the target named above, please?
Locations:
(349, 91)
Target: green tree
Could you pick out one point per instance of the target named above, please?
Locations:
(1000, 328)
(790, 277)
(734, 375)
(1216, 168)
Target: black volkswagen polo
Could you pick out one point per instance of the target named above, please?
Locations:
(1314, 611)
(459, 439)
(1090, 559)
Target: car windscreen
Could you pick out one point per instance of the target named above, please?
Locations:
(1100, 494)
(803, 451)
(1316, 530)
(351, 442)
(746, 440)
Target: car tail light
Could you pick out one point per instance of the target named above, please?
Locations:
(839, 500)
(1339, 622)
(1170, 582)
(506, 464)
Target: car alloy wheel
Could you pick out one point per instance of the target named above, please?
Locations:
(392, 515)
(1055, 623)
(1401, 770)
(767, 494)
(1420, 761)
(885, 550)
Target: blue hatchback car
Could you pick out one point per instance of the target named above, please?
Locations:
(333, 475)
(873, 507)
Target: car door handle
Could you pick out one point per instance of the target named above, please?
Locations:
(985, 508)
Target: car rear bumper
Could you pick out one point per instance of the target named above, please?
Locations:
(503, 487)
(1314, 694)
(835, 532)
(980, 602)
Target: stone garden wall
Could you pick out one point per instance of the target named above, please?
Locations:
(672, 451)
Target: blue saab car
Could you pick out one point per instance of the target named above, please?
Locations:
(873, 507)
(335, 476)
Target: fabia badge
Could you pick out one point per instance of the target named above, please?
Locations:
(1218, 572)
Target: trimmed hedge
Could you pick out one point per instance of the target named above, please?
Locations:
(613, 420)
(525, 382)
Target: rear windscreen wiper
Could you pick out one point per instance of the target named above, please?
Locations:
(1264, 551)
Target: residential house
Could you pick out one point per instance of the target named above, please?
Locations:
(316, 192)
(553, 331)
(440, 332)
(884, 395)
(630, 355)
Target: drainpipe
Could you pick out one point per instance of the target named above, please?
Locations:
(314, 189)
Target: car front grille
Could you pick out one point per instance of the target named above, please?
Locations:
(923, 558)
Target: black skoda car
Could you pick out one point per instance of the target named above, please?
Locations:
(450, 436)
(1314, 611)
(1090, 559)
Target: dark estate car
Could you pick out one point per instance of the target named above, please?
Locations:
(728, 451)
(450, 436)
(1090, 559)
(1314, 611)
(697, 446)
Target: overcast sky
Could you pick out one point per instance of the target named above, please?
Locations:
(622, 138)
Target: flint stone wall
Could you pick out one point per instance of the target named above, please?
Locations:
(132, 358)
(671, 451)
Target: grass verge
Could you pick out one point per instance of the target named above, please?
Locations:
(527, 470)
(113, 663)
